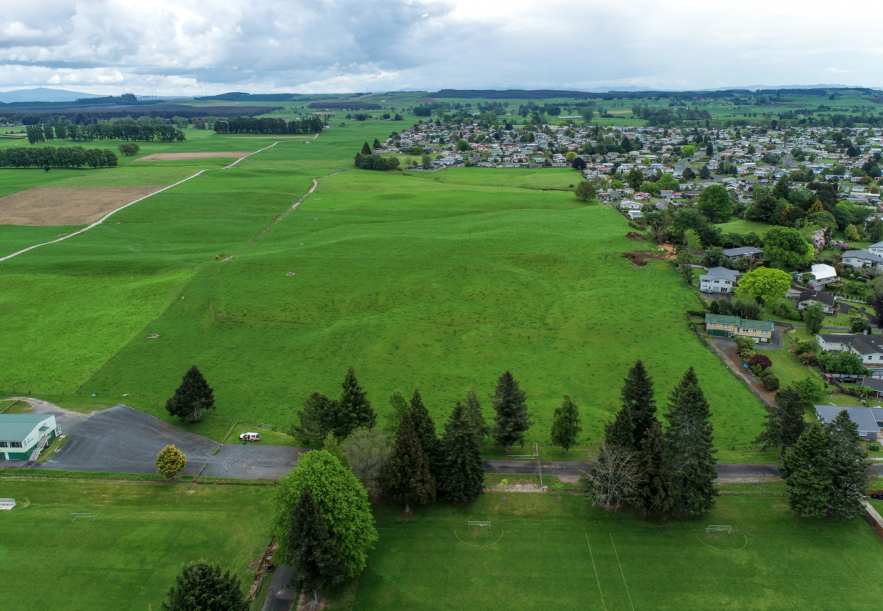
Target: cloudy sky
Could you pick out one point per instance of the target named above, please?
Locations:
(194, 47)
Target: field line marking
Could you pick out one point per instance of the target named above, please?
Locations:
(596, 572)
(724, 550)
(356, 591)
(99, 221)
(250, 154)
(621, 572)
(473, 545)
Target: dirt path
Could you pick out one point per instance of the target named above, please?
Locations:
(250, 154)
(64, 417)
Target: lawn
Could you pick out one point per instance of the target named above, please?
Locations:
(545, 553)
(129, 556)
(743, 227)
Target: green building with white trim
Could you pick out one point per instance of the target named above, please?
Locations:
(21, 435)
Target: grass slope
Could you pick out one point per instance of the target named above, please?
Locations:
(441, 285)
(129, 556)
(543, 553)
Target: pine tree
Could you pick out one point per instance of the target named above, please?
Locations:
(192, 397)
(621, 432)
(460, 461)
(425, 428)
(848, 467)
(202, 586)
(566, 425)
(376, 143)
(473, 406)
(691, 448)
(784, 422)
(399, 406)
(353, 409)
(637, 397)
(311, 551)
(406, 477)
(806, 473)
(512, 419)
(654, 494)
(366, 150)
(315, 419)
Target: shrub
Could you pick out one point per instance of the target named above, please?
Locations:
(770, 381)
(808, 358)
(170, 462)
(760, 359)
(746, 354)
(807, 345)
(756, 369)
(696, 312)
(794, 315)
(874, 447)
(744, 343)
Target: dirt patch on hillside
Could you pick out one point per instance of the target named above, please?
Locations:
(183, 156)
(635, 236)
(46, 206)
(639, 259)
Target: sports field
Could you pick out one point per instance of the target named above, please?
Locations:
(542, 553)
(440, 280)
(129, 556)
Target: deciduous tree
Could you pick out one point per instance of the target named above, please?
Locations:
(814, 317)
(367, 451)
(765, 283)
(785, 246)
(398, 405)
(170, 462)
(613, 477)
(585, 191)
(714, 202)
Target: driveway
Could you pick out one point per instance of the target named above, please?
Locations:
(279, 597)
(64, 418)
(124, 440)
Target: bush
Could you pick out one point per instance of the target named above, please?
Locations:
(696, 312)
(760, 359)
(807, 345)
(756, 369)
(746, 354)
(170, 462)
(794, 315)
(744, 343)
(770, 381)
(874, 447)
(808, 358)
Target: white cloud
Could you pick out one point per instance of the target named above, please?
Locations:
(197, 46)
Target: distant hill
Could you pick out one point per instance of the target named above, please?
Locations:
(43, 94)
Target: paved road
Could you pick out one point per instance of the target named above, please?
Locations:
(124, 440)
(280, 598)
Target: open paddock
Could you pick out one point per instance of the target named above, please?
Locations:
(50, 206)
(189, 156)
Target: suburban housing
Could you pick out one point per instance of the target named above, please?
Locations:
(868, 347)
(718, 280)
(868, 419)
(22, 436)
(761, 331)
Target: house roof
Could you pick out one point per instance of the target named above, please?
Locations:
(862, 416)
(873, 384)
(863, 345)
(821, 271)
(805, 294)
(721, 272)
(756, 324)
(836, 338)
(863, 254)
(877, 245)
(720, 318)
(742, 251)
(15, 427)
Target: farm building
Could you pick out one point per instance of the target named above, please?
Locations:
(22, 436)
(868, 419)
(761, 331)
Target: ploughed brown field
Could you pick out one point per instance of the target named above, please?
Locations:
(185, 156)
(42, 206)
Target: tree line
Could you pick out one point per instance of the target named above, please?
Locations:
(366, 160)
(104, 131)
(252, 125)
(61, 157)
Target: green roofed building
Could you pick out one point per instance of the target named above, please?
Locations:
(761, 331)
(22, 436)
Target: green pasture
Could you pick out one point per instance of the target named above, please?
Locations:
(743, 227)
(418, 282)
(542, 552)
(130, 555)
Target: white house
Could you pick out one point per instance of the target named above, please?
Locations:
(824, 274)
(23, 434)
(876, 249)
(861, 258)
(718, 280)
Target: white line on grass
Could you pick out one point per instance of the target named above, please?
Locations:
(99, 221)
(250, 154)
(596, 572)
(621, 573)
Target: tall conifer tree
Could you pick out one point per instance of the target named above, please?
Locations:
(691, 448)
(654, 495)
(406, 477)
(784, 422)
(512, 419)
(806, 473)
(192, 397)
(312, 551)
(638, 412)
(425, 428)
(848, 467)
(473, 406)
(353, 410)
(565, 425)
(461, 467)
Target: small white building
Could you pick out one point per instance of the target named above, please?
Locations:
(824, 274)
(718, 280)
(22, 434)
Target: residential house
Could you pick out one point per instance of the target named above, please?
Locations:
(876, 249)
(761, 331)
(743, 251)
(824, 274)
(804, 296)
(861, 258)
(868, 419)
(718, 280)
(868, 347)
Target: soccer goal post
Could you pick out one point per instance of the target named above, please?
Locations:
(478, 524)
(88, 516)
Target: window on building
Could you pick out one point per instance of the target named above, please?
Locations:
(2, 444)
(726, 326)
(14, 444)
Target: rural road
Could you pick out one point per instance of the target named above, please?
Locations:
(280, 598)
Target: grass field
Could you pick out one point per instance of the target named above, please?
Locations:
(129, 556)
(543, 553)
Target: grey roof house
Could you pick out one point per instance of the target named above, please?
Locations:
(743, 251)
(868, 419)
